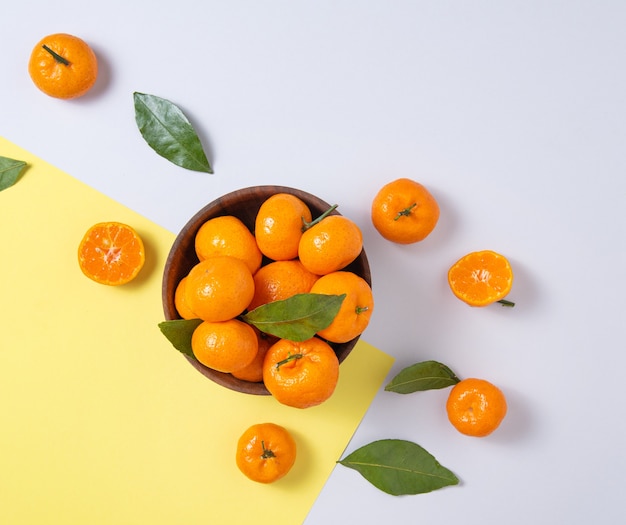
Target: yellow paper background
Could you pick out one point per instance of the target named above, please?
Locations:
(102, 421)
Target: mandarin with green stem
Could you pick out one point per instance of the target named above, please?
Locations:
(301, 374)
(330, 243)
(404, 211)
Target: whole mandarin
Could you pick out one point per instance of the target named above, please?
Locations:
(330, 245)
(63, 66)
(228, 235)
(356, 309)
(404, 211)
(219, 288)
(301, 374)
(224, 346)
(279, 226)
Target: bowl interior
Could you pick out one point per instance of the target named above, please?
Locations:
(244, 204)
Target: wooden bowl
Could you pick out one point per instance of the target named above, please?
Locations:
(244, 204)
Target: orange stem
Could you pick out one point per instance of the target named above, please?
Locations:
(57, 57)
(405, 212)
(306, 225)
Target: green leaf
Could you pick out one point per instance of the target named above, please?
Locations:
(298, 318)
(399, 467)
(10, 170)
(168, 132)
(179, 333)
(428, 375)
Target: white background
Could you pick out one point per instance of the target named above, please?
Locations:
(513, 113)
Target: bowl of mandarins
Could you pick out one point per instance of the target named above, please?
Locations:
(279, 286)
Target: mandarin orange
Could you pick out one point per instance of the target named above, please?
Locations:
(301, 374)
(280, 280)
(63, 66)
(180, 301)
(224, 346)
(476, 407)
(279, 225)
(330, 244)
(254, 371)
(404, 211)
(219, 288)
(265, 452)
(356, 309)
(228, 235)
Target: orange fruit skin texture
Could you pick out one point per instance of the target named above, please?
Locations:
(404, 211)
(59, 80)
(228, 235)
(279, 225)
(280, 280)
(254, 371)
(180, 301)
(356, 309)
(265, 452)
(481, 278)
(301, 374)
(476, 407)
(225, 346)
(330, 245)
(111, 253)
(219, 288)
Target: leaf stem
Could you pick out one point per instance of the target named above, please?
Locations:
(504, 302)
(405, 212)
(57, 57)
(267, 453)
(289, 358)
(306, 225)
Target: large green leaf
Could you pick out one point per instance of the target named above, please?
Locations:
(10, 170)
(427, 375)
(298, 318)
(399, 467)
(168, 131)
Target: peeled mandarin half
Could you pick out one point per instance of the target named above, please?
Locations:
(111, 253)
(481, 278)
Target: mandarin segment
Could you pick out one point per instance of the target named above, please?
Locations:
(404, 211)
(266, 452)
(228, 235)
(476, 407)
(219, 288)
(111, 253)
(481, 278)
(63, 66)
(279, 225)
(301, 374)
